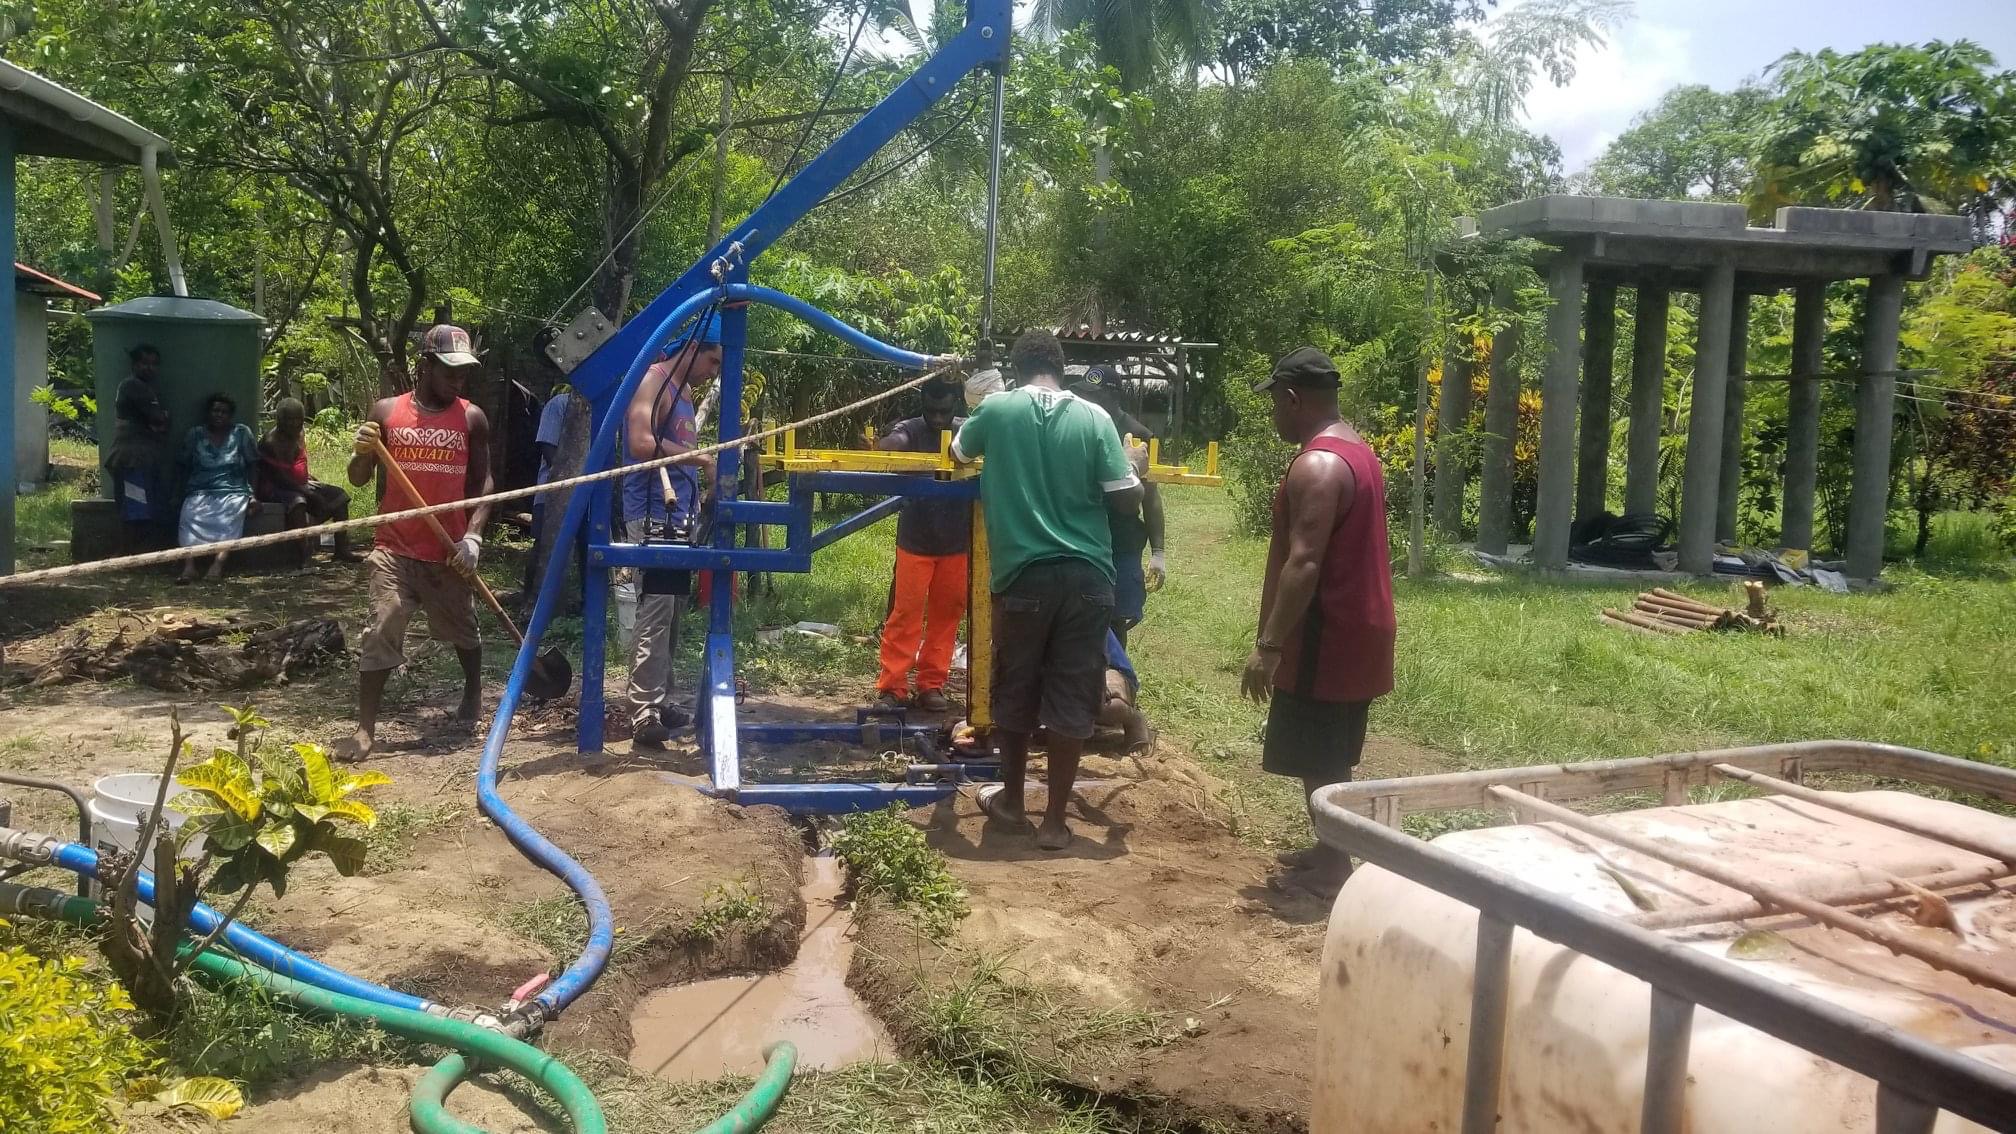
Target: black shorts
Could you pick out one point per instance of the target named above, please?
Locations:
(1050, 648)
(1314, 740)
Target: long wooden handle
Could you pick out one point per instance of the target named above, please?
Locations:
(398, 476)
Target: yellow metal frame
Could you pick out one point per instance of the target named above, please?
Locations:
(790, 458)
(980, 605)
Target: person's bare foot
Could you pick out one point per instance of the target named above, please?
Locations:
(1000, 808)
(1053, 835)
(357, 748)
(215, 572)
(469, 710)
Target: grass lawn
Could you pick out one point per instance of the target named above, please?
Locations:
(1503, 670)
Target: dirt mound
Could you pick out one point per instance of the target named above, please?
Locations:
(469, 917)
(372, 1100)
(1156, 910)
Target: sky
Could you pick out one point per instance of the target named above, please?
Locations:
(1668, 43)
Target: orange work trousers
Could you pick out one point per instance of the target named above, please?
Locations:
(924, 616)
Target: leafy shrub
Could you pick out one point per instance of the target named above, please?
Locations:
(66, 1052)
(887, 857)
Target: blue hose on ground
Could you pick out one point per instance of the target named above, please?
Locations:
(253, 945)
(580, 974)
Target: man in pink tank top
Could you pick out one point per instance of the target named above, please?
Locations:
(1325, 645)
(442, 443)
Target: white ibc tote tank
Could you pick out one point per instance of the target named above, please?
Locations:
(1397, 965)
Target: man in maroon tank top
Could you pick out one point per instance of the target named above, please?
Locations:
(1325, 644)
(442, 444)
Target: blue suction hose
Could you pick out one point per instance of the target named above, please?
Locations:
(579, 975)
(253, 945)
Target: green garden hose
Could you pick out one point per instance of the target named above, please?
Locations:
(430, 1095)
(760, 1104)
(429, 1115)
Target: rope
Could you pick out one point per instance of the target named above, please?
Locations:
(177, 554)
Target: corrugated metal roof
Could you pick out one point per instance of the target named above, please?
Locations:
(42, 283)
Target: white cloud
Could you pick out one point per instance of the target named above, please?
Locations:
(1611, 85)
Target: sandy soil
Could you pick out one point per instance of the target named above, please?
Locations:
(1158, 906)
(1155, 907)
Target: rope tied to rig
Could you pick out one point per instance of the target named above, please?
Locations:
(177, 554)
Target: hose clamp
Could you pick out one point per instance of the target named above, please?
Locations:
(27, 846)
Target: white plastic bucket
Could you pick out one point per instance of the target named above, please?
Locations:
(118, 802)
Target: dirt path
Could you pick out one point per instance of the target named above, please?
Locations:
(1156, 910)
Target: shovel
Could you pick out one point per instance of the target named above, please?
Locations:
(551, 674)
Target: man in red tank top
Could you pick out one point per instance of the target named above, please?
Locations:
(1325, 645)
(442, 443)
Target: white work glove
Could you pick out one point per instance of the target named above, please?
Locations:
(467, 550)
(369, 436)
(1158, 571)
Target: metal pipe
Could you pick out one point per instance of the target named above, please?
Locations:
(1858, 894)
(1847, 805)
(1959, 1083)
(150, 176)
(1669, 1038)
(83, 813)
(1933, 955)
(1490, 998)
(986, 344)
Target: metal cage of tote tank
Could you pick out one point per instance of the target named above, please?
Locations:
(1916, 1079)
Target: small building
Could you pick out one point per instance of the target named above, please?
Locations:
(1597, 246)
(38, 117)
(33, 292)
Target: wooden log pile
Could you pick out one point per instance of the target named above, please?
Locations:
(1660, 611)
(177, 654)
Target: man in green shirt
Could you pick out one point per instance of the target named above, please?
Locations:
(1055, 470)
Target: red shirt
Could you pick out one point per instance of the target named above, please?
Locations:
(1342, 649)
(275, 479)
(433, 449)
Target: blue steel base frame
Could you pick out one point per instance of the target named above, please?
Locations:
(729, 517)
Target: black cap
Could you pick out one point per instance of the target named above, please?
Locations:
(1304, 366)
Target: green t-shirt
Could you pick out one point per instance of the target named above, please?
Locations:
(1051, 459)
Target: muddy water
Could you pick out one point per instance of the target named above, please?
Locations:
(720, 1027)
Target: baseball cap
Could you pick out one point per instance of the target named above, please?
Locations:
(449, 344)
(1303, 366)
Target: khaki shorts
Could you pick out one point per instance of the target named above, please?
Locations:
(398, 587)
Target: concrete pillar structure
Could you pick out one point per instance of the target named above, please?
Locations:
(1729, 484)
(1501, 421)
(1704, 420)
(1452, 465)
(1599, 348)
(1559, 383)
(1802, 415)
(1875, 393)
(1648, 401)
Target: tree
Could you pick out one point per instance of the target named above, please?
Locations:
(1910, 128)
(327, 97)
(1696, 143)
(1137, 38)
(1254, 35)
(1962, 425)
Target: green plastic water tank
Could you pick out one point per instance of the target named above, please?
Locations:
(206, 348)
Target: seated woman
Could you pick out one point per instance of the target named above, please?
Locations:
(282, 478)
(216, 461)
